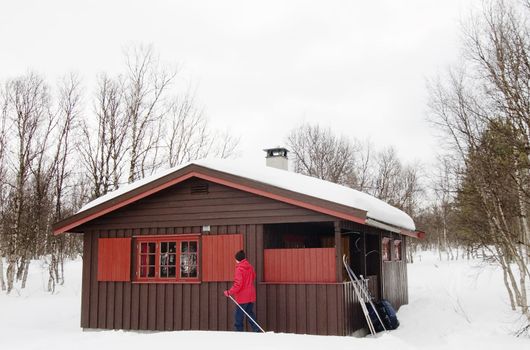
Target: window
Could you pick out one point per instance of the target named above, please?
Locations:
(397, 250)
(158, 257)
(386, 249)
(188, 259)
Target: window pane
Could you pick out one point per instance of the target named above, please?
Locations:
(172, 247)
(397, 250)
(151, 271)
(163, 247)
(151, 259)
(386, 249)
(184, 266)
(193, 259)
(164, 259)
(188, 259)
(193, 271)
(192, 267)
(172, 272)
(143, 271)
(152, 248)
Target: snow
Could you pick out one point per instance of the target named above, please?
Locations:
(453, 305)
(376, 209)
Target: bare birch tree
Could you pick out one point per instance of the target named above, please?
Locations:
(69, 113)
(3, 185)
(146, 87)
(318, 152)
(104, 145)
(190, 137)
(27, 103)
(489, 161)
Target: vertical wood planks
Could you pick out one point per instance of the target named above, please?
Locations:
(218, 256)
(309, 265)
(86, 287)
(296, 308)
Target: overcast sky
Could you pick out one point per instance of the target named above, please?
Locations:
(260, 69)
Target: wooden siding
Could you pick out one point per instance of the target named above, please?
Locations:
(299, 265)
(153, 306)
(177, 207)
(351, 310)
(302, 308)
(395, 281)
(309, 308)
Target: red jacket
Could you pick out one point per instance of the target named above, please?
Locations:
(243, 288)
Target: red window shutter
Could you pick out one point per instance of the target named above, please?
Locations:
(303, 265)
(114, 259)
(218, 262)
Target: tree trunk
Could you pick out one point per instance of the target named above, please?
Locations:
(525, 234)
(51, 273)
(21, 267)
(507, 285)
(2, 281)
(25, 275)
(10, 273)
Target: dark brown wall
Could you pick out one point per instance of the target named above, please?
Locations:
(395, 281)
(150, 306)
(176, 207)
(304, 308)
(323, 309)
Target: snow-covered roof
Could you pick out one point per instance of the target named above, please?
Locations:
(376, 209)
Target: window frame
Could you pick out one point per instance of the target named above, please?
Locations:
(398, 250)
(158, 240)
(386, 242)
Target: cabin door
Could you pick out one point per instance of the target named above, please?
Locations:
(356, 251)
(373, 263)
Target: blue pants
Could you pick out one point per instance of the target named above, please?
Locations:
(239, 315)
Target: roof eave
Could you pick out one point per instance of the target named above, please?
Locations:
(227, 179)
(395, 229)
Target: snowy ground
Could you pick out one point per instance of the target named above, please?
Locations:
(453, 305)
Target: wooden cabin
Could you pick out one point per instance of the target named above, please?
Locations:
(159, 253)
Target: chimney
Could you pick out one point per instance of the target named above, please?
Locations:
(277, 158)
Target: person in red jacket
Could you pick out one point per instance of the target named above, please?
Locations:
(244, 291)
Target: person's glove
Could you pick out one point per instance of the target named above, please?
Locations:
(226, 293)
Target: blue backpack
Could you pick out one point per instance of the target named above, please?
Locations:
(388, 314)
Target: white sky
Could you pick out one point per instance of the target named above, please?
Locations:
(260, 69)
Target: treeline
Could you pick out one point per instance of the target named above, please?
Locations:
(477, 198)
(319, 152)
(61, 146)
(483, 110)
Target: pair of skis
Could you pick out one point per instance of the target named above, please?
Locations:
(363, 295)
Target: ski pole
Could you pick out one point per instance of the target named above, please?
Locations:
(256, 323)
